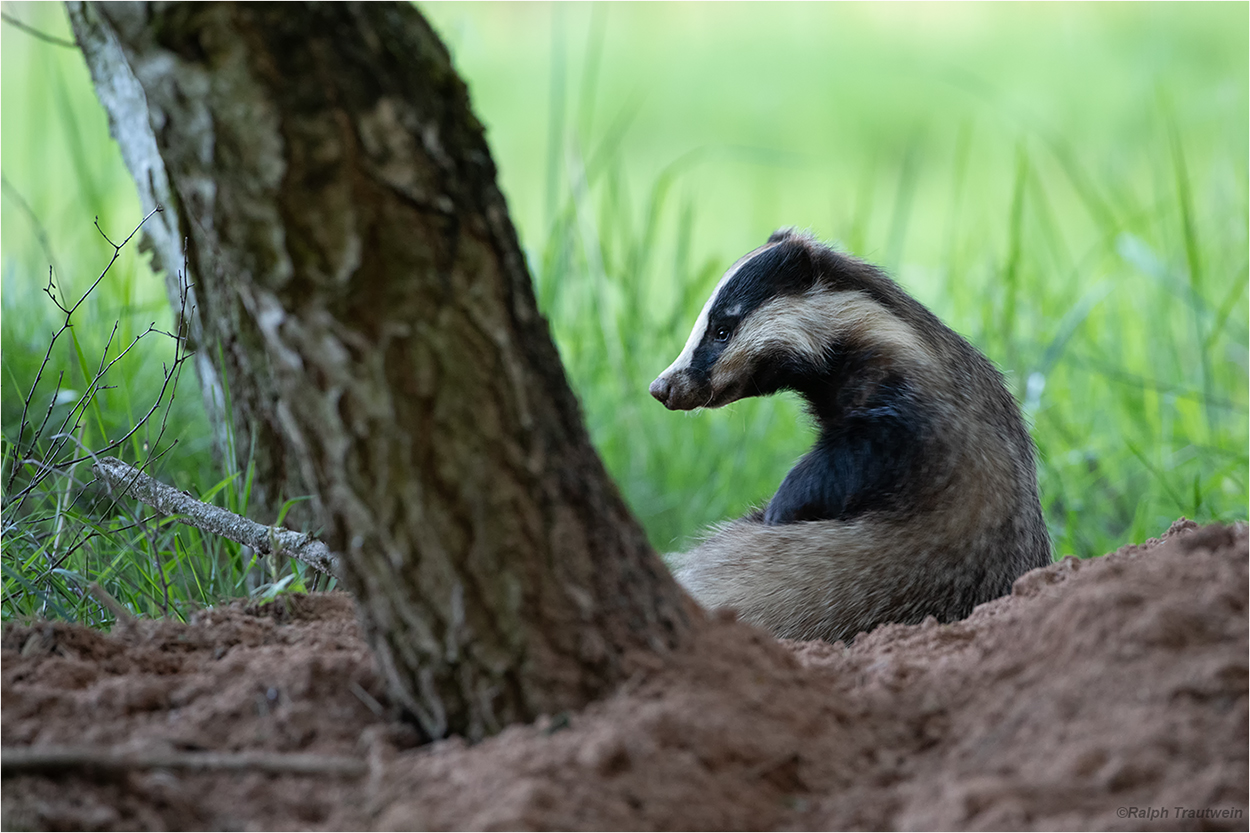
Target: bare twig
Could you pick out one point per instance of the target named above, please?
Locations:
(31, 30)
(169, 501)
(368, 699)
(170, 383)
(41, 450)
(18, 454)
(53, 760)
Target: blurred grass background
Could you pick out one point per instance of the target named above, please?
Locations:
(1064, 184)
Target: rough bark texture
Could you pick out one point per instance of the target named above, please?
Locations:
(355, 259)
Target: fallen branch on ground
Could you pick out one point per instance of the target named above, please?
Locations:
(264, 539)
(16, 761)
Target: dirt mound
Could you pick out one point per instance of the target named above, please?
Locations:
(1107, 694)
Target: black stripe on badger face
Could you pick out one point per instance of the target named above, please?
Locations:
(781, 268)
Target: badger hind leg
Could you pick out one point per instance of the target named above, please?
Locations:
(828, 579)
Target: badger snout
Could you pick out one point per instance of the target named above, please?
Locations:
(675, 392)
(663, 391)
(682, 391)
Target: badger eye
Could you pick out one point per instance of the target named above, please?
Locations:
(722, 333)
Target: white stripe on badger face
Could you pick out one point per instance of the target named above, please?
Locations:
(700, 324)
(808, 324)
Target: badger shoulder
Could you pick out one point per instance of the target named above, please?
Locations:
(912, 378)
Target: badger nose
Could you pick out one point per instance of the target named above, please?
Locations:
(661, 390)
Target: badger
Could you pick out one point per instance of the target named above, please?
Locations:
(920, 495)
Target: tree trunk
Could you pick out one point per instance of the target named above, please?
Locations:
(354, 258)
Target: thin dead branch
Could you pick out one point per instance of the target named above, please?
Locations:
(127, 480)
(32, 31)
(53, 760)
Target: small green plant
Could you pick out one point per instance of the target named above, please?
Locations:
(65, 532)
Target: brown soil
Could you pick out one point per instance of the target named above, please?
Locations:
(1097, 692)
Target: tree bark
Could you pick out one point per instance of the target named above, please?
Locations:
(355, 260)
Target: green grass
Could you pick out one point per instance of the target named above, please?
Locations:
(1063, 184)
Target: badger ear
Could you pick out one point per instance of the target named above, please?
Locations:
(781, 234)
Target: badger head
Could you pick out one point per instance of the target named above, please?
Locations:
(787, 316)
(751, 336)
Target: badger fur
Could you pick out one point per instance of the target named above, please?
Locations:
(919, 497)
